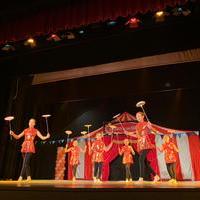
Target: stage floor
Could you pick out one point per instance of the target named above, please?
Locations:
(88, 190)
(66, 184)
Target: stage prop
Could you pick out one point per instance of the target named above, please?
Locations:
(9, 119)
(188, 162)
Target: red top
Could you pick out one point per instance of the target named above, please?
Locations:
(170, 152)
(28, 144)
(127, 154)
(143, 141)
(98, 150)
(75, 153)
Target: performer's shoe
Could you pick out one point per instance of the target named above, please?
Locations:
(20, 178)
(99, 181)
(130, 179)
(94, 179)
(28, 178)
(172, 181)
(156, 178)
(140, 179)
(126, 180)
(74, 179)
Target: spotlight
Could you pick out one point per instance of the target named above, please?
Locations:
(68, 35)
(186, 12)
(30, 42)
(159, 13)
(54, 38)
(133, 22)
(8, 47)
(111, 23)
(160, 16)
(81, 32)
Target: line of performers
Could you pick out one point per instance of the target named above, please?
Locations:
(98, 147)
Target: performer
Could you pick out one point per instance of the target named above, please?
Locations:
(170, 152)
(28, 147)
(75, 154)
(127, 152)
(97, 150)
(144, 145)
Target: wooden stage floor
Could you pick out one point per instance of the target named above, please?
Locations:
(88, 190)
(65, 184)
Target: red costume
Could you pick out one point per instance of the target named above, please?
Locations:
(98, 151)
(28, 144)
(127, 156)
(143, 141)
(75, 153)
(170, 152)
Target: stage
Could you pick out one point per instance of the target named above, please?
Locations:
(52, 189)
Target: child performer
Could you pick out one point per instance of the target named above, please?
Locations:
(28, 147)
(127, 152)
(97, 150)
(75, 154)
(144, 145)
(170, 152)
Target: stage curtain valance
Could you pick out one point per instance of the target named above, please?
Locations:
(75, 14)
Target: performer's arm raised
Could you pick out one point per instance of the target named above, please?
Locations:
(17, 137)
(43, 137)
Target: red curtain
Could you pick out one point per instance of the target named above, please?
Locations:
(195, 154)
(75, 14)
(179, 175)
(109, 156)
(88, 168)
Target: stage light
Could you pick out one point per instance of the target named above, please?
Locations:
(133, 22)
(159, 13)
(54, 37)
(160, 16)
(186, 12)
(81, 32)
(8, 47)
(68, 35)
(30, 42)
(111, 23)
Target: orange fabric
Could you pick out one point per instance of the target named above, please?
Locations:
(28, 145)
(74, 157)
(143, 141)
(127, 155)
(170, 152)
(98, 151)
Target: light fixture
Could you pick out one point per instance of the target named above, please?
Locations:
(160, 16)
(68, 35)
(111, 23)
(30, 42)
(54, 38)
(8, 47)
(133, 22)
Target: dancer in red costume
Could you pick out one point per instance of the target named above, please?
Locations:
(75, 151)
(144, 145)
(28, 147)
(170, 152)
(97, 150)
(127, 152)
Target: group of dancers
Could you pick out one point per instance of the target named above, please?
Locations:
(97, 148)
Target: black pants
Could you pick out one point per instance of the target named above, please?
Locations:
(144, 164)
(171, 170)
(26, 171)
(128, 171)
(74, 169)
(98, 169)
